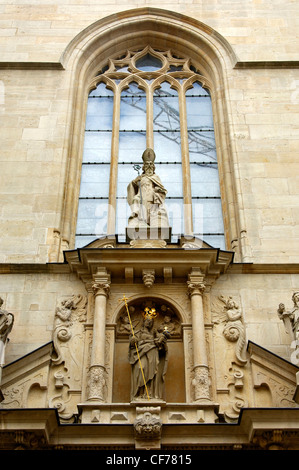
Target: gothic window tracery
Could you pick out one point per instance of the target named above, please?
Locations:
(154, 99)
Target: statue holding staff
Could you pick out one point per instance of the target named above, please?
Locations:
(146, 195)
(150, 368)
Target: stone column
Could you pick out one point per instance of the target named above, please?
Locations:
(97, 371)
(201, 381)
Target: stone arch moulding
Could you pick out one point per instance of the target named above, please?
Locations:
(110, 37)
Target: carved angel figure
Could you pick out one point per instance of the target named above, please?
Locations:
(291, 323)
(6, 324)
(234, 329)
(291, 318)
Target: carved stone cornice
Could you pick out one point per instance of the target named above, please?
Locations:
(85, 262)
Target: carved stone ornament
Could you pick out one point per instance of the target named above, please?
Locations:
(196, 287)
(234, 330)
(101, 288)
(96, 383)
(166, 319)
(148, 277)
(6, 324)
(148, 424)
(291, 322)
(201, 383)
(68, 312)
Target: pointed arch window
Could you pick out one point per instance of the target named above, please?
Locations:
(150, 99)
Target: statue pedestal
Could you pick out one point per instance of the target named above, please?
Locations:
(152, 234)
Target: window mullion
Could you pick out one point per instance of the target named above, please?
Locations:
(149, 117)
(188, 219)
(114, 164)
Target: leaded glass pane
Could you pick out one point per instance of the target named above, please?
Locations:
(92, 217)
(166, 108)
(133, 109)
(95, 181)
(204, 180)
(131, 146)
(168, 146)
(202, 147)
(207, 216)
(148, 63)
(97, 147)
(175, 211)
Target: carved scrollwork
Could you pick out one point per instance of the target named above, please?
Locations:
(234, 330)
(69, 311)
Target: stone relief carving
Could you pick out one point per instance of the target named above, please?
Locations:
(66, 368)
(148, 424)
(236, 395)
(96, 383)
(68, 312)
(25, 440)
(201, 382)
(148, 277)
(6, 324)
(281, 394)
(291, 322)
(166, 319)
(234, 330)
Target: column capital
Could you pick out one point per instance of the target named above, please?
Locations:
(101, 282)
(196, 282)
(101, 288)
(195, 288)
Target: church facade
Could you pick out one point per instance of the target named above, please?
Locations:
(149, 226)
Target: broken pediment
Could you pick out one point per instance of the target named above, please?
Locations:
(25, 381)
(273, 374)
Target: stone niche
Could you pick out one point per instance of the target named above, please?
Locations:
(166, 316)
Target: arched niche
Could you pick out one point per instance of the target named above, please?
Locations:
(210, 53)
(165, 316)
